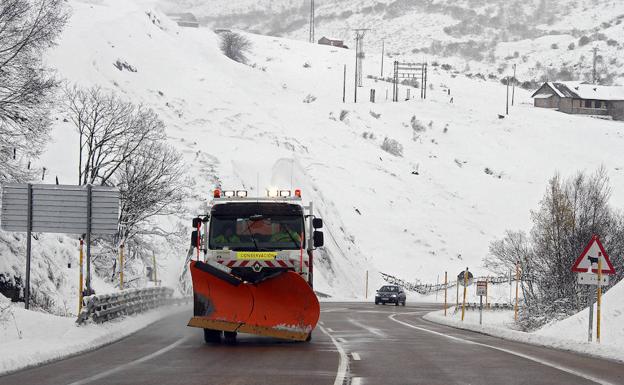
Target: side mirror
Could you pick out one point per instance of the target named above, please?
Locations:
(197, 222)
(317, 223)
(194, 238)
(319, 241)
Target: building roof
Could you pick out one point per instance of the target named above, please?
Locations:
(578, 90)
(332, 39)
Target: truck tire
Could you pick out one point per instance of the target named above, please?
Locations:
(212, 336)
(309, 338)
(403, 303)
(230, 337)
(396, 303)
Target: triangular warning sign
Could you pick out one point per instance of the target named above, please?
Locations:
(590, 256)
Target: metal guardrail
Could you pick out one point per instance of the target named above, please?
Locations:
(102, 308)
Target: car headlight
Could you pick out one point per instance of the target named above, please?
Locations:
(393, 295)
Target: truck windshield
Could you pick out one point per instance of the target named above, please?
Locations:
(256, 232)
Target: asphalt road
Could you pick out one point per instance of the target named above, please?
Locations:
(354, 344)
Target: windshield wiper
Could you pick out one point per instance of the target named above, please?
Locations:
(298, 245)
(251, 234)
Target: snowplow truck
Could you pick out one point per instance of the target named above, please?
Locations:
(251, 263)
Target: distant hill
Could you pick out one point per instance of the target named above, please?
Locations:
(548, 39)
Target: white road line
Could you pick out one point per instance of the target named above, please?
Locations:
(341, 340)
(356, 356)
(343, 364)
(330, 330)
(518, 354)
(321, 323)
(371, 330)
(356, 381)
(125, 366)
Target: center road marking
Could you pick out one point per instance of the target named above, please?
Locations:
(343, 364)
(356, 356)
(518, 354)
(125, 366)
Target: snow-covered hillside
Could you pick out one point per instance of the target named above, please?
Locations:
(464, 176)
(552, 39)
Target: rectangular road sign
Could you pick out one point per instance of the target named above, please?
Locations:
(591, 279)
(481, 288)
(60, 209)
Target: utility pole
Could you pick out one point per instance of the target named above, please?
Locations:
(344, 84)
(312, 21)
(513, 90)
(507, 108)
(594, 73)
(359, 55)
(383, 48)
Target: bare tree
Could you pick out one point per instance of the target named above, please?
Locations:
(152, 183)
(27, 28)
(235, 46)
(570, 213)
(110, 130)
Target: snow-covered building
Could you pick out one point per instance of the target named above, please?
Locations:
(331, 41)
(580, 98)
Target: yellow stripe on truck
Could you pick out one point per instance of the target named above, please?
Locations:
(256, 255)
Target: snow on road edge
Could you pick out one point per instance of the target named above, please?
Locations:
(28, 353)
(592, 349)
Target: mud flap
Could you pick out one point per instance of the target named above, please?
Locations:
(283, 306)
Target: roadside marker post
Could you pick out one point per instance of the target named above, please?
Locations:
(517, 284)
(457, 294)
(445, 290)
(121, 266)
(594, 255)
(465, 288)
(481, 291)
(366, 289)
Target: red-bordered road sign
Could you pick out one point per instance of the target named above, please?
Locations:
(589, 257)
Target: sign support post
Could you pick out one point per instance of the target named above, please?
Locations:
(80, 278)
(89, 200)
(28, 247)
(598, 303)
(121, 266)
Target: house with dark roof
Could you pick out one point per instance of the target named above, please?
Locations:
(331, 41)
(580, 98)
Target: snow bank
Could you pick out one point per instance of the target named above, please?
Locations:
(569, 334)
(31, 338)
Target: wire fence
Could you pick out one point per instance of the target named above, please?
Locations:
(102, 308)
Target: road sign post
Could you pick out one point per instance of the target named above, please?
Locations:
(593, 255)
(481, 291)
(59, 209)
(517, 283)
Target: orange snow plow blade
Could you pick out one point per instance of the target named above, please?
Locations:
(283, 306)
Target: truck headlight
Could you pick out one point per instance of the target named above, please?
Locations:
(393, 295)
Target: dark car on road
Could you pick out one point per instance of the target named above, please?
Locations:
(390, 294)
